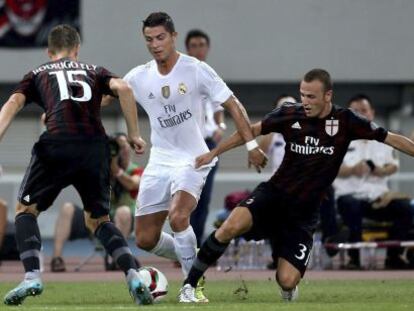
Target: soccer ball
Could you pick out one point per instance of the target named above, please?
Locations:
(156, 282)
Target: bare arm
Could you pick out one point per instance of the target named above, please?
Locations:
(239, 114)
(360, 169)
(265, 142)
(129, 182)
(129, 110)
(345, 171)
(107, 100)
(385, 170)
(14, 104)
(400, 143)
(231, 142)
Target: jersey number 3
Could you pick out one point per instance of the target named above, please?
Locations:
(302, 252)
(70, 78)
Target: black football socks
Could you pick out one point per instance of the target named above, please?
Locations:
(28, 241)
(116, 246)
(209, 253)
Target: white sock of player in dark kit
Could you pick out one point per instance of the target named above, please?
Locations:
(165, 247)
(185, 243)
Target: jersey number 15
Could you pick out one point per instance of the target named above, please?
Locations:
(70, 78)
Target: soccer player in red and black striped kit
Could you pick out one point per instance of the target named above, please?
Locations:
(74, 150)
(285, 208)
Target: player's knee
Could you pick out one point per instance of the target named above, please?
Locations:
(146, 242)
(179, 221)
(228, 231)
(93, 223)
(20, 209)
(287, 280)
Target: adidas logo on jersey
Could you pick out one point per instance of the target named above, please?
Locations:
(296, 125)
(27, 198)
(151, 96)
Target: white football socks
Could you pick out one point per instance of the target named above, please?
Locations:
(186, 248)
(165, 247)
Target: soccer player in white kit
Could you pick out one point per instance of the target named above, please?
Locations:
(170, 88)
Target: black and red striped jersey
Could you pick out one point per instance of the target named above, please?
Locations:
(315, 147)
(70, 92)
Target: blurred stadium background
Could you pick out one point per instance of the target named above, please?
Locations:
(260, 48)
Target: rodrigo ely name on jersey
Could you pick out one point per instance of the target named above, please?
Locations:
(65, 64)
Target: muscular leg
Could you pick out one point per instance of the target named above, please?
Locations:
(150, 237)
(28, 239)
(123, 220)
(113, 241)
(240, 221)
(62, 228)
(185, 241)
(288, 277)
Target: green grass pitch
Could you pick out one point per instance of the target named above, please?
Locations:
(338, 295)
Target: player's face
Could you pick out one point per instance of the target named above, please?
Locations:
(160, 43)
(198, 48)
(364, 108)
(316, 101)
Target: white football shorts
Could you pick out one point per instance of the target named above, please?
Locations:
(160, 182)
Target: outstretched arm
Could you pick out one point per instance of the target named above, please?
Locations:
(231, 142)
(107, 100)
(129, 110)
(400, 143)
(9, 110)
(239, 114)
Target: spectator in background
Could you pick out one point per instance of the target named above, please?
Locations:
(273, 144)
(362, 190)
(8, 248)
(197, 43)
(125, 178)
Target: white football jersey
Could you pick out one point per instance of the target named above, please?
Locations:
(175, 106)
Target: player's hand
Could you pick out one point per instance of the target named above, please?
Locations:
(204, 159)
(138, 144)
(258, 159)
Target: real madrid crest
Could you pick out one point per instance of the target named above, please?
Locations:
(182, 89)
(165, 91)
(331, 127)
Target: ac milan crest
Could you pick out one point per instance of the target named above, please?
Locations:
(331, 127)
